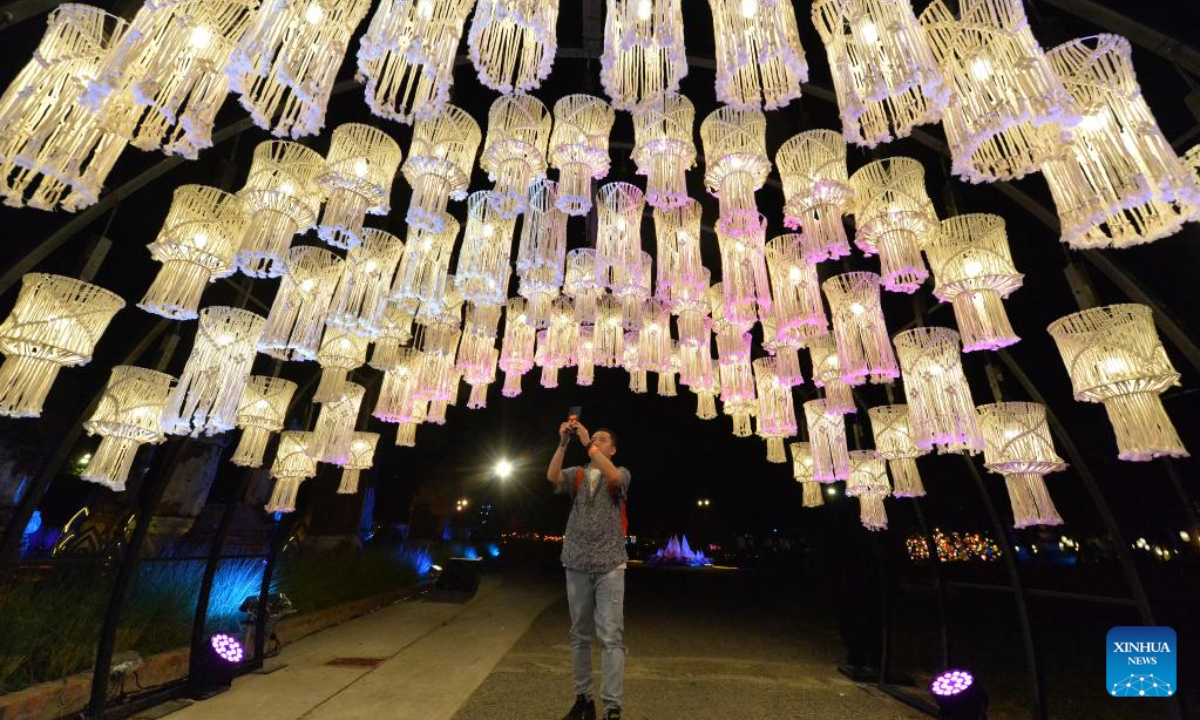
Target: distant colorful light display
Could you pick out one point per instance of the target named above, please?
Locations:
(955, 547)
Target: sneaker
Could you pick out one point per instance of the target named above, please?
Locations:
(613, 713)
(583, 709)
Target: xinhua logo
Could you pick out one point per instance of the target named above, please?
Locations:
(1141, 661)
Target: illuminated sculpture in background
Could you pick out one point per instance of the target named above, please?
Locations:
(285, 64)
(483, 258)
(542, 256)
(941, 411)
(406, 56)
(517, 347)
(261, 412)
(868, 482)
(760, 62)
(340, 352)
(282, 198)
(55, 323)
(54, 152)
(357, 181)
(301, 305)
(196, 245)
(1018, 446)
(802, 471)
(973, 270)
(439, 165)
(895, 219)
(736, 165)
(1121, 183)
(579, 149)
(827, 374)
(1114, 356)
(126, 418)
(817, 192)
(644, 54)
(663, 147)
(162, 85)
(863, 348)
(512, 43)
(884, 72)
(514, 152)
(776, 413)
(1008, 110)
(334, 431)
(209, 391)
(292, 466)
(827, 442)
(362, 456)
(894, 443)
(361, 296)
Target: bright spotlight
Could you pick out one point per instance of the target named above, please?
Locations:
(959, 696)
(831, 491)
(503, 469)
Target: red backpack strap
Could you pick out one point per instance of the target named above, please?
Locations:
(578, 479)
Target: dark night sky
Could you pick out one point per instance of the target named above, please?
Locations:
(675, 457)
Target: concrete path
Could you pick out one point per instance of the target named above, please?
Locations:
(436, 654)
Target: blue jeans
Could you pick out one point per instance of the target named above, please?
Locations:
(597, 604)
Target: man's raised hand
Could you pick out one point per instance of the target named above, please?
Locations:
(582, 432)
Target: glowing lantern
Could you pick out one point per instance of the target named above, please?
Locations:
(517, 347)
(297, 316)
(802, 471)
(1018, 446)
(362, 291)
(663, 147)
(827, 441)
(817, 192)
(282, 198)
(868, 482)
(542, 253)
(357, 179)
(292, 466)
(261, 412)
(341, 351)
(895, 219)
(644, 54)
(512, 42)
(514, 152)
(795, 292)
(126, 418)
(483, 258)
(776, 413)
(334, 430)
(827, 374)
(439, 165)
(894, 443)
(863, 348)
(362, 456)
(941, 411)
(579, 149)
(760, 62)
(737, 164)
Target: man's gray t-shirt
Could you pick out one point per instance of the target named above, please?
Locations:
(594, 540)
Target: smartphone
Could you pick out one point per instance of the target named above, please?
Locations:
(574, 413)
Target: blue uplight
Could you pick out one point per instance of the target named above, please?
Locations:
(470, 553)
(34, 524)
(493, 550)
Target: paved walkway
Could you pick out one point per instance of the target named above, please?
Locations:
(702, 645)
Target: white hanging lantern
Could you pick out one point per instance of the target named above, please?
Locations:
(55, 323)
(745, 288)
(682, 278)
(663, 147)
(816, 192)
(802, 471)
(884, 73)
(514, 152)
(644, 54)
(894, 443)
(654, 337)
(357, 180)
(776, 413)
(619, 236)
(517, 348)
(609, 333)
(579, 149)
(126, 418)
(161, 87)
(196, 245)
(362, 456)
(580, 284)
(424, 267)
(1018, 446)
(941, 411)
(297, 316)
(795, 292)
(282, 198)
(261, 412)
(406, 56)
(827, 374)
(361, 296)
(512, 42)
(827, 441)
(397, 391)
(285, 64)
(973, 270)
(206, 399)
(54, 152)
(542, 254)
(334, 430)
(341, 351)
(736, 165)
(863, 348)
(483, 266)
(868, 482)
(895, 219)
(760, 62)
(292, 466)
(1121, 183)
(1114, 356)
(439, 165)
(1007, 109)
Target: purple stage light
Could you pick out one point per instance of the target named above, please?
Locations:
(228, 648)
(951, 683)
